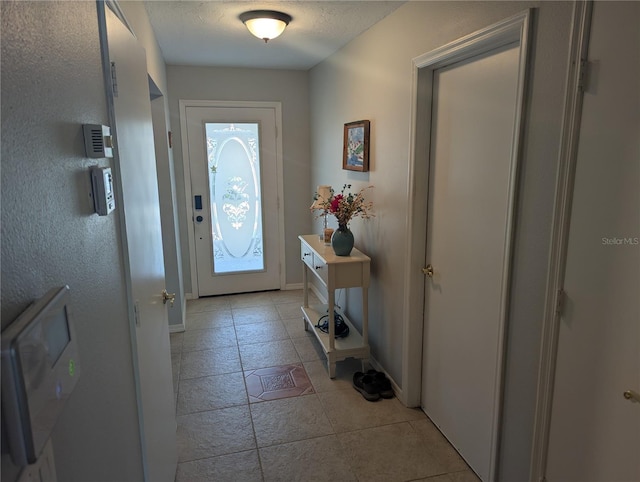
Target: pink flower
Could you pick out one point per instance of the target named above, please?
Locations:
(344, 207)
(335, 203)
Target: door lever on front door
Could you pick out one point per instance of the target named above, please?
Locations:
(632, 396)
(170, 297)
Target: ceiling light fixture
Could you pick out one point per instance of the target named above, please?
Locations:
(265, 24)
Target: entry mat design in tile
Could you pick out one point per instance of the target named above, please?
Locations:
(277, 382)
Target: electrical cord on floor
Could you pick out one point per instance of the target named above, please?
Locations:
(341, 328)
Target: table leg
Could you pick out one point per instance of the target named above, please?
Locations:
(332, 320)
(331, 365)
(305, 294)
(305, 286)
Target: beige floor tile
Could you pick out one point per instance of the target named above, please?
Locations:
(261, 332)
(348, 410)
(210, 362)
(217, 432)
(295, 326)
(211, 303)
(309, 348)
(209, 393)
(464, 476)
(209, 339)
(175, 340)
(175, 369)
(270, 354)
(223, 438)
(250, 299)
(389, 453)
(317, 459)
(255, 314)
(289, 310)
(205, 320)
(440, 446)
(240, 466)
(288, 420)
(319, 374)
(175, 400)
(286, 296)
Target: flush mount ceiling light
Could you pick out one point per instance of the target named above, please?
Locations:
(265, 24)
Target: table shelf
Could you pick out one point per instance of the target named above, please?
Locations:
(335, 272)
(350, 346)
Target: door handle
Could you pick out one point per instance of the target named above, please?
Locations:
(170, 297)
(428, 271)
(632, 396)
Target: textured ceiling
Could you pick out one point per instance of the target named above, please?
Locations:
(209, 33)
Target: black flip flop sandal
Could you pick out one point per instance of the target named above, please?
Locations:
(382, 383)
(366, 386)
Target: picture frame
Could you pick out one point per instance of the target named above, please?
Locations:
(355, 155)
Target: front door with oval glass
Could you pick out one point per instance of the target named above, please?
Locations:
(234, 187)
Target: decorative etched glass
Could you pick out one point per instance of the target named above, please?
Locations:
(233, 158)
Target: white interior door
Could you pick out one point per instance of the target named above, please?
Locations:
(595, 431)
(234, 197)
(143, 240)
(474, 116)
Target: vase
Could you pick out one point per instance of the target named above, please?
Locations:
(342, 241)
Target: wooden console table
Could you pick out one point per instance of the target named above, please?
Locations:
(335, 272)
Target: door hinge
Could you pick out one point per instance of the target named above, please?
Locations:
(560, 302)
(114, 80)
(136, 313)
(582, 74)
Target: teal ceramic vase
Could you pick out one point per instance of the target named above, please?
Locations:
(342, 241)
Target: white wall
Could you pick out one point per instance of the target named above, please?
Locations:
(371, 79)
(287, 86)
(52, 83)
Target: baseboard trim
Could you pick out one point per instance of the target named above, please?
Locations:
(396, 389)
(177, 328)
(292, 286)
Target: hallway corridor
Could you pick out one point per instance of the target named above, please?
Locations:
(254, 403)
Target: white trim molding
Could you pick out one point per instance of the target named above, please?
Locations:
(515, 31)
(565, 177)
(186, 162)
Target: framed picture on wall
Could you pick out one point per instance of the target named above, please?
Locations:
(355, 155)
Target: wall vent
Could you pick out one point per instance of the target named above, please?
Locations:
(98, 142)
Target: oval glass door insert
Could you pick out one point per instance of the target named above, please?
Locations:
(233, 156)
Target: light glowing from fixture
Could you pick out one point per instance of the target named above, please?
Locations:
(265, 24)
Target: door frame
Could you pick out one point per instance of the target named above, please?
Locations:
(513, 30)
(565, 177)
(186, 162)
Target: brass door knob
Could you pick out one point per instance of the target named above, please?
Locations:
(170, 297)
(632, 396)
(428, 271)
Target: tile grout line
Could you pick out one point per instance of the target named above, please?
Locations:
(246, 390)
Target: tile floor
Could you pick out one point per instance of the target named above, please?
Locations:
(254, 402)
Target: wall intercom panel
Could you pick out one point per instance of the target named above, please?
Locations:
(104, 200)
(40, 369)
